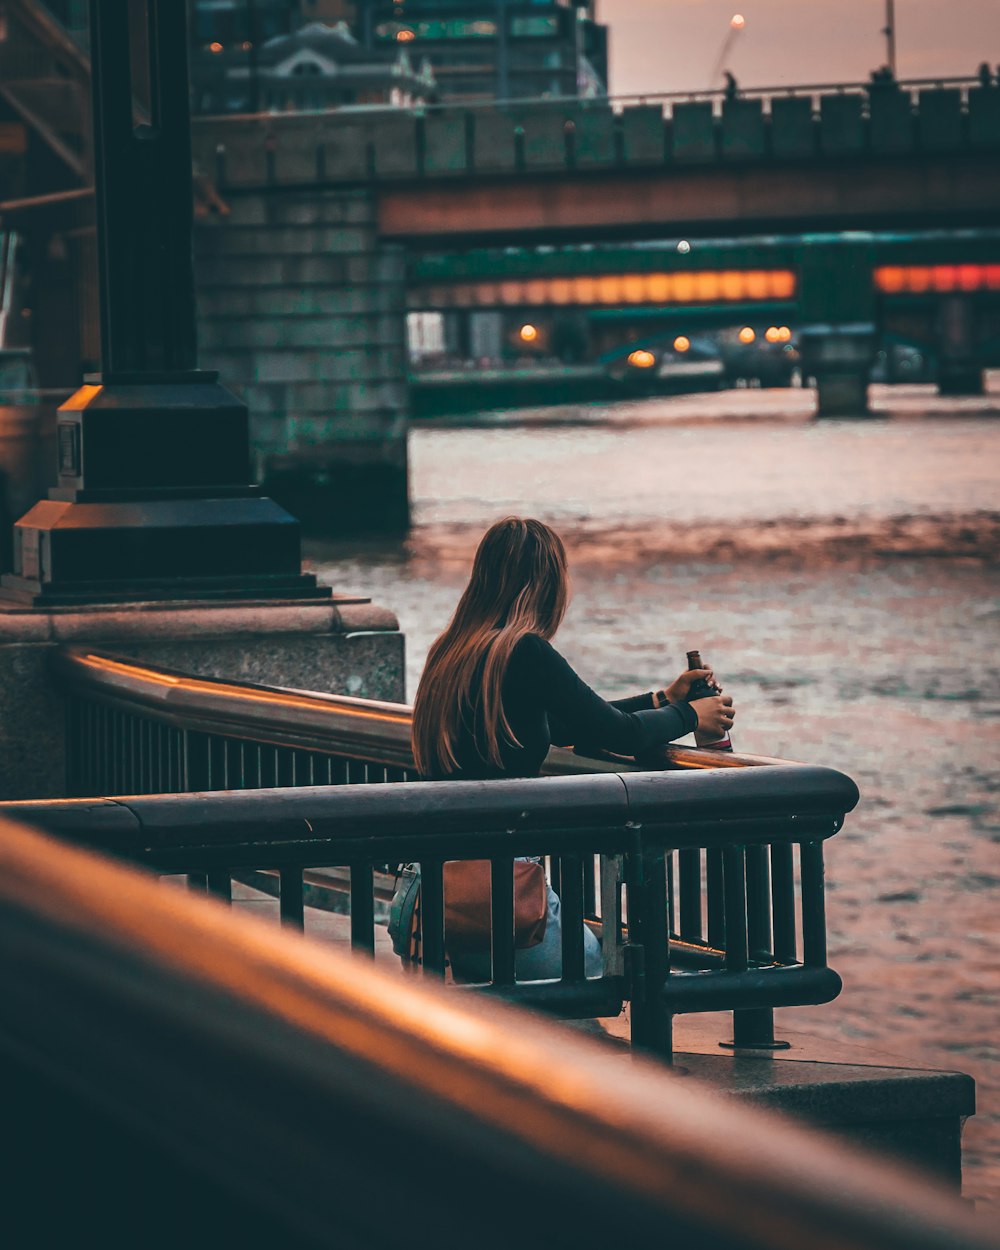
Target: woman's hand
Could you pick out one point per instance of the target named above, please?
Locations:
(678, 691)
(715, 714)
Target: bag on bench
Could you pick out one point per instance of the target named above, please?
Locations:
(468, 907)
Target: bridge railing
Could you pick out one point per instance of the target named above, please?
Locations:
(174, 1075)
(689, 877)
(438, 141)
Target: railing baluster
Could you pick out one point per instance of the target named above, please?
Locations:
(110, 784)
(689, 873)
(90, 756)
(290, 901)
(715, 889)
(363, 907)
(813, 905)
(612, 951)
(571, 910)
(734, 874)
(134, 755)
(591, 872)
(783, 902)
(758, 904)
(221, 885)
(432, 916)
(502, 920)
(649, 950)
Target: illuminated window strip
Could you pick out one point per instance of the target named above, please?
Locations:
(613, 290)
(919, 279)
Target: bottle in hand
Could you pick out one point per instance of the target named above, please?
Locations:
(704, 689)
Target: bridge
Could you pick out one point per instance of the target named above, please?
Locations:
(387, 191)
(315, 234)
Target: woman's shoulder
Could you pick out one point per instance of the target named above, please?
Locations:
(534, 653)
(530, 645)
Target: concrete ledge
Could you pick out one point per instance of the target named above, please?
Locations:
(881, 1101)
(343, 646)
(195, 619)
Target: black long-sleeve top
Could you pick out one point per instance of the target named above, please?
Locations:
(546, 702)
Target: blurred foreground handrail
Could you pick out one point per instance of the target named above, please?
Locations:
(328, 1098)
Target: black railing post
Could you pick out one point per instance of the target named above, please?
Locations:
(649, 964)
(571, 910)
(362, 907)
(291, 904)
(502, 921)
(813, 905)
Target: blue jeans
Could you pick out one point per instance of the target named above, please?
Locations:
(537, 963)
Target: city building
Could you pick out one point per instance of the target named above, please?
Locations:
(501, 49)
(278, 55)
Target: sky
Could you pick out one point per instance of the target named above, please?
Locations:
(673, 45)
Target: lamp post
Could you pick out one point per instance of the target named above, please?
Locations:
(889, 30)
(154, 500)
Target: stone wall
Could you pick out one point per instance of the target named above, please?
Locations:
(303, 312)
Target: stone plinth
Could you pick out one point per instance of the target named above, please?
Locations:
(344, 646)
(874, 1100)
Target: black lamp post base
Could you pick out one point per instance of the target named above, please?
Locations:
(69, 552)
(16, 592)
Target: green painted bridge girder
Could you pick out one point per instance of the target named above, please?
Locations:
(935, 247)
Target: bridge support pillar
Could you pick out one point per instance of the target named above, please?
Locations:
(305, 310)
(839, 357)
(959, 371)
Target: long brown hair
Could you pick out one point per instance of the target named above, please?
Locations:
(518, 586)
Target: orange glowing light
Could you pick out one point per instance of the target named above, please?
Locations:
(215, 47)
(738, 21)
(772, 334)
(404, 36)
(641, 358)
(784, 334)
(682, 343)
(747, 335)
(528, 333)
(917, 279)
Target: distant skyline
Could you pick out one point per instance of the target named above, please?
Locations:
(672, 45)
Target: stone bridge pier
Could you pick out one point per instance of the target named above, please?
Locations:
(960, 369)
(303, 311)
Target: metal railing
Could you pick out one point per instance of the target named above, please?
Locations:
(705, 853)
(178, 1076)
(623, 100)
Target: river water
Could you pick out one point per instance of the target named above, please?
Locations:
(843, 579)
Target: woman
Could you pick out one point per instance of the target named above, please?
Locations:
(495, 695)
